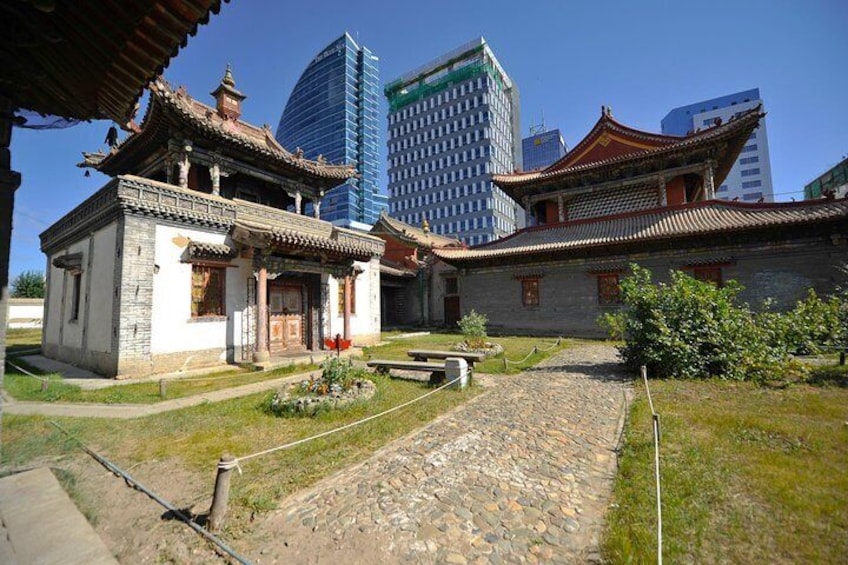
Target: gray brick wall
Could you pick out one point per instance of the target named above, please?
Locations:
(569, 293)
(135, 291)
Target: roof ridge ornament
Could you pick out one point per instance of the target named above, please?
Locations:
(228, 77)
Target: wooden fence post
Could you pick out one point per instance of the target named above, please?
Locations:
(163, 388)
(221, 496)
(44, 384)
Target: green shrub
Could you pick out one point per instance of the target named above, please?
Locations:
(813, 325)
(693, 329)
(473, 327)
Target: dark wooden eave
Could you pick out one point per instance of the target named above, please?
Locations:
(91, 59)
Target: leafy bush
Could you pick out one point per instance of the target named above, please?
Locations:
(473, 327)
(813, 324)
(694, 329)
(29, 284)
(340, 372)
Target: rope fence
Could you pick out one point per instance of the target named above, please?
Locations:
(656, 428)
(44, 380)
(227, 462)
(534, 351)
(132, 483)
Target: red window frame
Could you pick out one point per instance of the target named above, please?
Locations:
(208, 290)
(708, 273)
(609, 289)
(530, 292)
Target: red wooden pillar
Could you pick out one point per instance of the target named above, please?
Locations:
(262, 353)
(347, 288)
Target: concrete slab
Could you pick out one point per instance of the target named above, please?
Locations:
(68, 371)
(44, 526)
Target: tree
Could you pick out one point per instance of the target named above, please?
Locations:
(29, 284)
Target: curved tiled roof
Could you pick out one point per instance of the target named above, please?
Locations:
(700, 218)
(240, 133)
(205, 119)
(426, 239)
(664, 145)
(335, 239)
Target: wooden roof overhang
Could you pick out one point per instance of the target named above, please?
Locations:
(172, 115)
(91, 59)
(719, 145)
(697, 225)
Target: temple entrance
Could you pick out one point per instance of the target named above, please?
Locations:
(286, 317)
(452, 311)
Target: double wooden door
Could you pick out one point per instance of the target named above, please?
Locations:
(286, 317)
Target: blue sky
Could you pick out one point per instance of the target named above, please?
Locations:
(568, 58)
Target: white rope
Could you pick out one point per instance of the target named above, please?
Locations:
(556, 344)
(24, 371)
(532, 352)
(235, 462)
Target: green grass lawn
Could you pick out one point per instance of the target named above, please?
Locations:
(195, 438)
(749, 475)
(515, 349)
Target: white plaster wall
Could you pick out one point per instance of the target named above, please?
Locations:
(366, 320)
(102, 275)
(25, 312)
(52, 304)
(71, 333)
(173, 328)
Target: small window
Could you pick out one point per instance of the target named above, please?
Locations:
(710, 274)
(609, 291)
(207, 291)
(530, 292)
(76, 279)
(451, 286)
(352, 296)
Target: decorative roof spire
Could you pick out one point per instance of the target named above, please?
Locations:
(228, 77)
(425, 226)
(228, 99)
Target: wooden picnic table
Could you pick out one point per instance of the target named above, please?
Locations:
(426, 354)
(436, 370)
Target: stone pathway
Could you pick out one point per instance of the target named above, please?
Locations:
(522, 474)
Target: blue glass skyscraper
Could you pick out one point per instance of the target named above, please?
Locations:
(542, 149)
(332, 111)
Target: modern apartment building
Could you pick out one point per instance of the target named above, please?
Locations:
(542, 149)
(750, 178)
(453, 123)
(333, 113)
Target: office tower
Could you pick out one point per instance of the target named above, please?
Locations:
(332, 112)
(542, 148)
(750, 178)
(453, 123)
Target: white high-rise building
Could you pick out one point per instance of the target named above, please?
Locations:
(452, 124)
(750, 178)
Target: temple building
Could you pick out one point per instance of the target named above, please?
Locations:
(416, 287)
(197, 251)
(624, 196)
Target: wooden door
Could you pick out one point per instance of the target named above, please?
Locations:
(285, 307)
(451, 310)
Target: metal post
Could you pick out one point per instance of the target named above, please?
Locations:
(221, 497)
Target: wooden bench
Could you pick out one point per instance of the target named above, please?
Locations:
(436, 370)
(425, 354)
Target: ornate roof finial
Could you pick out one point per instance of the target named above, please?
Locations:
(228, 77)
(425, 226)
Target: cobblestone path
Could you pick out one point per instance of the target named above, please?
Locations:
(522, 474)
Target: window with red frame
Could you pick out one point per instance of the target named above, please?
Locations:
(530, 292)
(708, 274)
(609, 290)
(207, 291)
